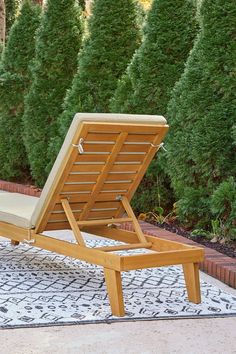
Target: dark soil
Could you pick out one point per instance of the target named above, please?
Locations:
(228, 249)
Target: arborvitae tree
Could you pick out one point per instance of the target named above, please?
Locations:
(14, 83)
(12, 7)
(146, 86)
(158, 63)
(57, 45)
(202, 113)
(113, 38)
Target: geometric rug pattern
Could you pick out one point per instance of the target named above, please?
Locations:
(42, 288)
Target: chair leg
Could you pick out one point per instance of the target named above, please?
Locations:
(115, 293)
(14, 243)
(191, 275)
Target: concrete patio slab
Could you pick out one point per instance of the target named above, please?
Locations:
(152, 337)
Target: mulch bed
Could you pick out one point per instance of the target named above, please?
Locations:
(228, 249)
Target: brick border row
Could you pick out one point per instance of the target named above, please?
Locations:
(19, 188)
(215, 264)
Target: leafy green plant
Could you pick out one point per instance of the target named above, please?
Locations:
(157, 215)
(193, 208)
(223, 206)
(200, 232)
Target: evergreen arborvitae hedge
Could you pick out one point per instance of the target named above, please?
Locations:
(202, 114)
(146, 86)
(57, 45)
(168, 37)
(113, 38)
(14, 83)
(12, 7)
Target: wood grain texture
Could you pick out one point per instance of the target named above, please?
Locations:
(115, 293)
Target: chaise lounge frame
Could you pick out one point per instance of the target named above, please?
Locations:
(93, 182)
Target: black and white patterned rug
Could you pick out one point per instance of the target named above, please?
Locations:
(41, 288)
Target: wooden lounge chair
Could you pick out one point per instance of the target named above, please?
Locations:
(98, 169)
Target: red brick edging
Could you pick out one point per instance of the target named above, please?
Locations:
(19, 188)
(215, 264)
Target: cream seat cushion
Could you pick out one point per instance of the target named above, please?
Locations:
(26, 211)
(17, 209)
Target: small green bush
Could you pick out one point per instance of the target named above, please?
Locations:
(14, 83)
(57, 45)
(223, 206)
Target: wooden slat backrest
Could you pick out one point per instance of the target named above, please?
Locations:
(115, 159)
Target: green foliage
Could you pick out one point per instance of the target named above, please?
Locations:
(223, 206)
(57, 44)
(234, 134)
(147, 197)
(168, 37)
(14, 83)
(156, 66)
(113, 38)
(81, 3)
(193, 207)
(12, 7)
(201, 113)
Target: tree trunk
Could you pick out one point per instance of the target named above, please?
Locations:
(88, 4)
(39, 2)
(2, 21)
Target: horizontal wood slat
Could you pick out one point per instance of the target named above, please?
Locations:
(97, 147)
(121, 127)
(130, 158)
(78, 187)
(92, 158)
(135, 148)
(131, 168)
(101, 137)
(82, 178)
(140, 138)
(115, 186)
(84, 197)
(87, 167)
(120, 176)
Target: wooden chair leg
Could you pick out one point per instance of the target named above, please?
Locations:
(115, 293)
(191, 275)
(14, 243)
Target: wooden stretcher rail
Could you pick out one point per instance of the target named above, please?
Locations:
(161, 259)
